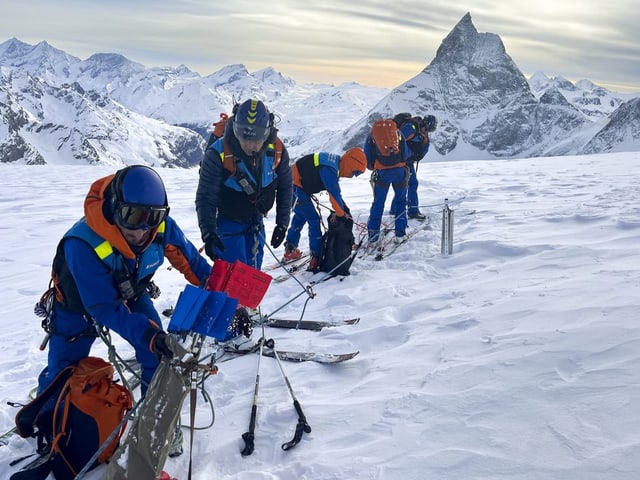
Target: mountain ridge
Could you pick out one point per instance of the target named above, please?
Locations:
(486, 107)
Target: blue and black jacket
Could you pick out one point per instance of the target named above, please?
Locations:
(317, 172)
(243, 188)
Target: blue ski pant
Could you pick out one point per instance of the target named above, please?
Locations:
(412, 190)
(72, 340)
(413, 205)
(383, 179)
(242, 241)
(305, 212)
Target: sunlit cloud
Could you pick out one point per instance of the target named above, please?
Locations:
(370, 42)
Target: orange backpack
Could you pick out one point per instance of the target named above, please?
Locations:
(387, 141)
(90, 406)
(219, 126)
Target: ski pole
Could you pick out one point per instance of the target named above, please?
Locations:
(249, 436)
(302, 426)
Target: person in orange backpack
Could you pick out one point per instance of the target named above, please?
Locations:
(388, 157)
(314, 173)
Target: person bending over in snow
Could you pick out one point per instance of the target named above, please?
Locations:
(388, 157)
(312, 174)
(103, 267)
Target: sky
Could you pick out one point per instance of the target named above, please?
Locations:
(514, 358)
(370, 42)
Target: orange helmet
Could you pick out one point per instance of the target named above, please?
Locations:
(353, 163)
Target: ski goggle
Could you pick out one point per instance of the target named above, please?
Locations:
(135, 217)
(253, 133)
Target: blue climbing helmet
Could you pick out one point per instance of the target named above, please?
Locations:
(139, 198)
(252, 121)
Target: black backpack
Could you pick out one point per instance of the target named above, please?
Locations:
(401, 118)
(337, 246)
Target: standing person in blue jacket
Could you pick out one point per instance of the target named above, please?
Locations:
(416, 133)
(387, 156)
(103, 268)
(312, 174)
(242, 176)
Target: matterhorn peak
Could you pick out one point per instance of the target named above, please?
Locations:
(465, 46)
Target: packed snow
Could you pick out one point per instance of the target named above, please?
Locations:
(516, 357)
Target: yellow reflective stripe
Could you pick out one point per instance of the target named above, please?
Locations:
(222, 157)
(316, 159)
(162, 227)
(104, 250)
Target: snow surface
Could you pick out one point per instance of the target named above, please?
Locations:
(514, 358)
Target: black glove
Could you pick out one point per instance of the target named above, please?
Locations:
(161, 346)
(241, 323)
(211, 242)
(278, 235)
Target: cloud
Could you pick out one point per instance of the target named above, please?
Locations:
(371, 42)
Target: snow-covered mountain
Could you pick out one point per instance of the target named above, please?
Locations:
(488, 109)
(485, 105)
(168, 96)
(592, 100)
(66, 124)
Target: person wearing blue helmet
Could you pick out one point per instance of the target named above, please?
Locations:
(102, 271)
(416, 131)
(243, 175)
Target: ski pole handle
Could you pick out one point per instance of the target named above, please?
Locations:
(248, 444)
(301, 427)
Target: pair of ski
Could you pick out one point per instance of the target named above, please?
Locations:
(247, 347)
(284, 263)
(289, 356)
(314, 325)
(290, 267)
(387, 244)
(393, 245)
(293, 267)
